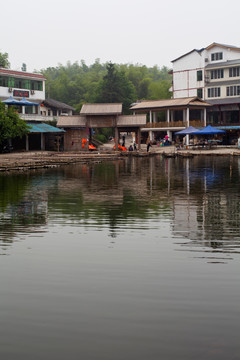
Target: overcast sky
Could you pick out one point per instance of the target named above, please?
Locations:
(150, 32)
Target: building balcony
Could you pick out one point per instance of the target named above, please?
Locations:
(174, 124)
(36, 117)
(223, 123)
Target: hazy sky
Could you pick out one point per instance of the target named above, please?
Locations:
(149, 32)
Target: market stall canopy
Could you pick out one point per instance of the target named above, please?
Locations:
(209, 130)
(11, 101)
(25, 102)
(189, 130)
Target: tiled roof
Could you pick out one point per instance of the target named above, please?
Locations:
(222, 45)
(223, 64)
(57, 104)
(169, 103)
(101, 109)
(228, 101)
(131, 120)
(71, 121)
(20, 73)
(43, 128)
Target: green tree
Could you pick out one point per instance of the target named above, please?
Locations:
(116, 88)
(4, 63)
(159, 90)
(11, 126)
(77, 83)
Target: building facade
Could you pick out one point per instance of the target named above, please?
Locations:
(212, 74)
(36, 110)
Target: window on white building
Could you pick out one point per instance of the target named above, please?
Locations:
(217, 56)
(18, 83)
(200, 93)
(3, 81)
(234, 71)
(217, 74)
(214, 92)
(199, 75)
(233, 90)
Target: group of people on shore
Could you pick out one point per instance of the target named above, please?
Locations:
(131, 147)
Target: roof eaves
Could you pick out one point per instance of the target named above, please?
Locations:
(223, 46)
(188, 53)
(21, 73)
(57, 104)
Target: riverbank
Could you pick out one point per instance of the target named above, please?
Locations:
(46, 159)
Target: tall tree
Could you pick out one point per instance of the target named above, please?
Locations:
(4, 63)
(115, 87)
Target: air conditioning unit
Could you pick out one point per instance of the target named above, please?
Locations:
(10, 90)
(32, 92)
(206, 59)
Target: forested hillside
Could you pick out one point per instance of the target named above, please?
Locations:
(78, 83)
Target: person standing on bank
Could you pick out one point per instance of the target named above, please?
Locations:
(123, 140)
(148, 146)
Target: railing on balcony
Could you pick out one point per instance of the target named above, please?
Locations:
(35, 117)
(165, 124)
(196, 123)
(223, 123)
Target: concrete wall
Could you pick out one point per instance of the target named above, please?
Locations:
(185, 83)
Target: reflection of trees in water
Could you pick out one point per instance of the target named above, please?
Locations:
(12, 188)
(23, 203)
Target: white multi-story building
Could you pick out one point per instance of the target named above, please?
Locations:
(19, 85)
(213, 74)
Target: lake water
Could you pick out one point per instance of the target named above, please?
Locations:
(136, 259)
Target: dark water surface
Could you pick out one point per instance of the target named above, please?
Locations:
(134, 259)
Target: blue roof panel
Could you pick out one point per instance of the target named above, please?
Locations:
(43, 128)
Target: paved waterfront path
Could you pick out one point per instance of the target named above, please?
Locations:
(46, 159)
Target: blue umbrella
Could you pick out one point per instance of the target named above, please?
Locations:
(209, 130)
(11, 101)
(25, 102)
(189, 130)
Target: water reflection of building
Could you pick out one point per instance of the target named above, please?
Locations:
(208, 214)
(189, 192)
(197, 196)
(27, 215)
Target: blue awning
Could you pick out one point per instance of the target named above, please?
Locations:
(209, 130)
(11, 101)
(187, 131)
(25, 102)
(43, 128)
